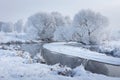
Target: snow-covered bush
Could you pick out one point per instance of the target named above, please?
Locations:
(111, 48)
(38, 59)
(59, 69)
(88, 22)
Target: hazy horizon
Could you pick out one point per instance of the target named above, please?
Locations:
(13, 10)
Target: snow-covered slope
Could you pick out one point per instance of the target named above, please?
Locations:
(82, 53)
(17, 66)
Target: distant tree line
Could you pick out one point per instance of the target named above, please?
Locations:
(86, 27)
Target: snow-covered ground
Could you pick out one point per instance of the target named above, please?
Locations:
(8, 37)
(16, 37)
(18, 65)
(15, 65)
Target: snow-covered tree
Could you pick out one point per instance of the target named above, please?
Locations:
(7, 27)
(68, 20)
(63, 26)
(1, 23)
(43, 24)
(61, 20)
(63, 33)
(31, 31)
(18, 26)
(87, 23)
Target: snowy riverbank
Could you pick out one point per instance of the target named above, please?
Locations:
(16, 66)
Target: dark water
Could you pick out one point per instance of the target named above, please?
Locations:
(33, 49)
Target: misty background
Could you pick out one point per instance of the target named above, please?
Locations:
(13, 10)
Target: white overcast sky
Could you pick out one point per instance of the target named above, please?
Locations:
(13, 10)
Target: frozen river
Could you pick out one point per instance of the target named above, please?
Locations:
(96, 61)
